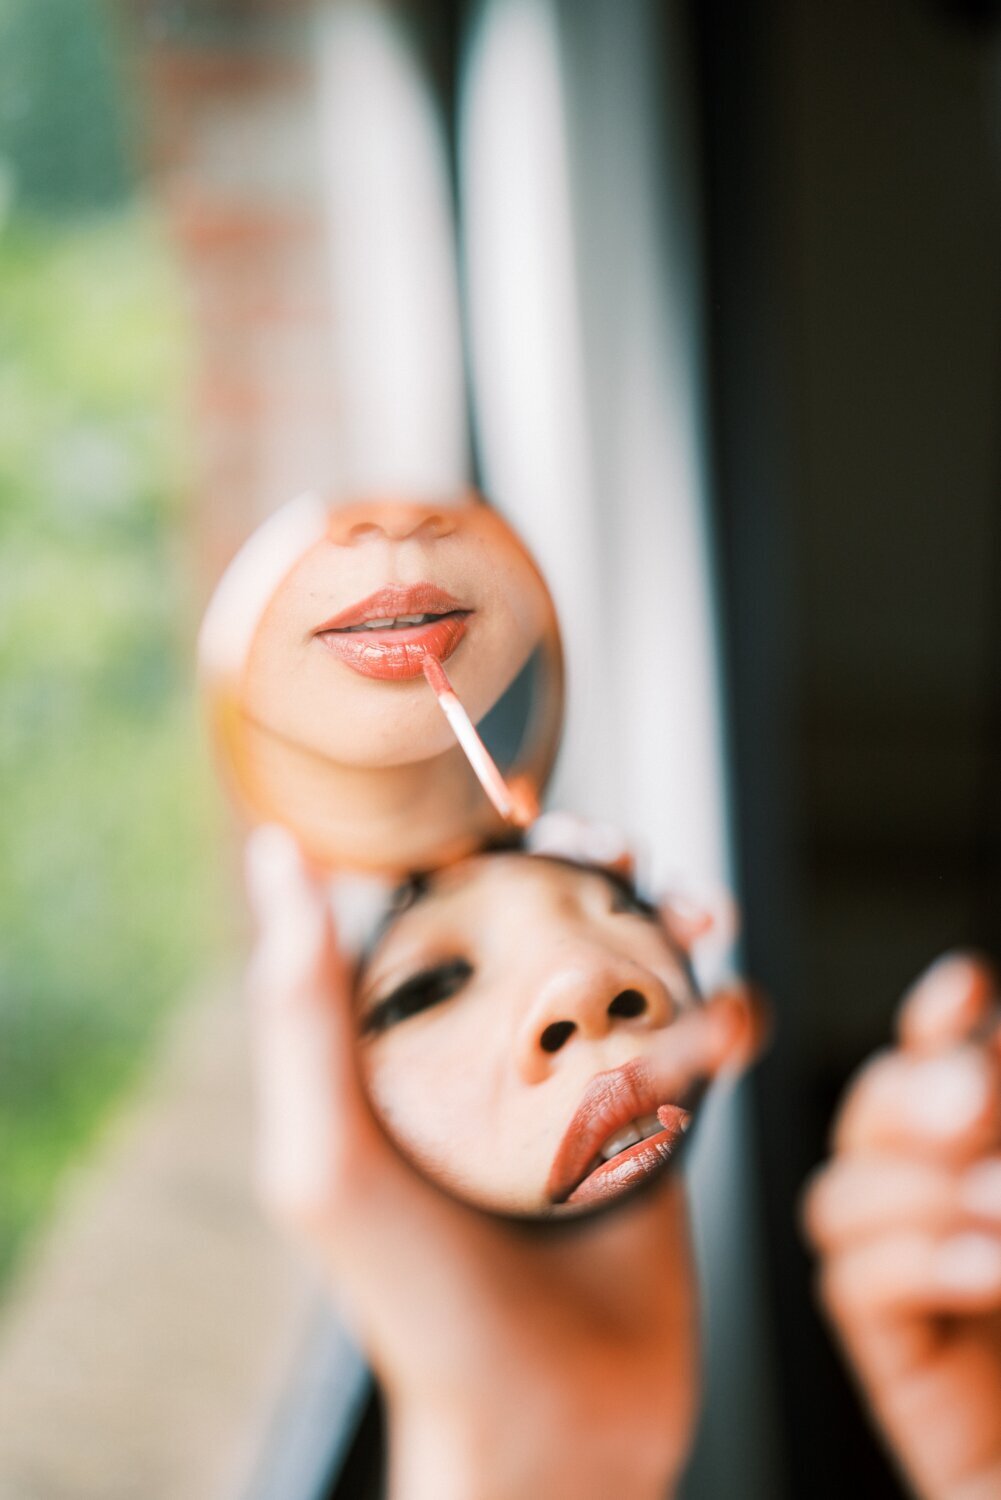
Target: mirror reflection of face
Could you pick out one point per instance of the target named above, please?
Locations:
(515, 1022)
(336, 663)
(312, 657)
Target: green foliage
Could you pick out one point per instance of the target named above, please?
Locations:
(62, 135)
(109, 896)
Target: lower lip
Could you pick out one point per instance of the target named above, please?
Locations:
(396, 655)
(635, 1164)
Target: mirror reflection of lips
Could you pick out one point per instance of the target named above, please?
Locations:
(623, 1130)
(390, 633)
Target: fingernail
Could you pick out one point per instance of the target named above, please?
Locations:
(947, 1095)
(688, 907)
(272, 864)
(968, 1263)
(730, 1018)
(980, 1190)
(942, 988)
(688, 919)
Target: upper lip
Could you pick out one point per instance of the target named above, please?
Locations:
(610, 1101)
(390, 602)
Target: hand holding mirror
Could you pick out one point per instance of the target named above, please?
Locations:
(531, 1034)
(529, 1029)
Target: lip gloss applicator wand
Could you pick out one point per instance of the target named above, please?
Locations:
(511, 803)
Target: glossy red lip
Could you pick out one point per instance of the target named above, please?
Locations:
(635, 1163)
(394, 600)
(396, 653)
(610, 1102)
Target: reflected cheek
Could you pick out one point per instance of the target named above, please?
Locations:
(425, 1099)
(448, 1115)
(498, 643)
(315, 701)
(486, 663)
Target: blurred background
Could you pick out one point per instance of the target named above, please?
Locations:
(708, 299)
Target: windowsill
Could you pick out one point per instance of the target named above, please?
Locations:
(163, 1338)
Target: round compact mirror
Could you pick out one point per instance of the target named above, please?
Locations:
(530, 1033)
(385, 679)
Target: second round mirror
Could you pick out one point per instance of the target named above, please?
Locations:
(529, 1033)
(342, 648)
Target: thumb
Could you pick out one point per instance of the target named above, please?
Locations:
(314, 1128)
(325, 1168)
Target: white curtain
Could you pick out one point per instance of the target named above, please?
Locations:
(581, 269)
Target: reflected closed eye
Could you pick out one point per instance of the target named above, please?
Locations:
(419, 992)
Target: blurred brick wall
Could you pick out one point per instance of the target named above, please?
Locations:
(234, 150)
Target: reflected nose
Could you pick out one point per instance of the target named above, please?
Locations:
(586, 998)
(398, 523)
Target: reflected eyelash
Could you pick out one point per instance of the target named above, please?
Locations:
(418, 992)
(626, 899)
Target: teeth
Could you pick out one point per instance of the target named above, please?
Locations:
(627, 1136)
(398, 622)
(630, 1135)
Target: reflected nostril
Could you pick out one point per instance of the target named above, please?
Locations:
(363, 531)
(627, 1003)
(555, 1034)
(436, 526)
(390, 527)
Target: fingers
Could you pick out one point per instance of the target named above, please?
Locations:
(944, 1106)
(858, 1199)
(721, 1036)
(690, 918)
(907, 1217)
(565, 836)
(314, 1127)
(712, 1039)
(751, 1028)
(904, 1243)
(739, 1025)
(686, 920)
(325, 1169)
(952, 1002)
(913, 1272)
